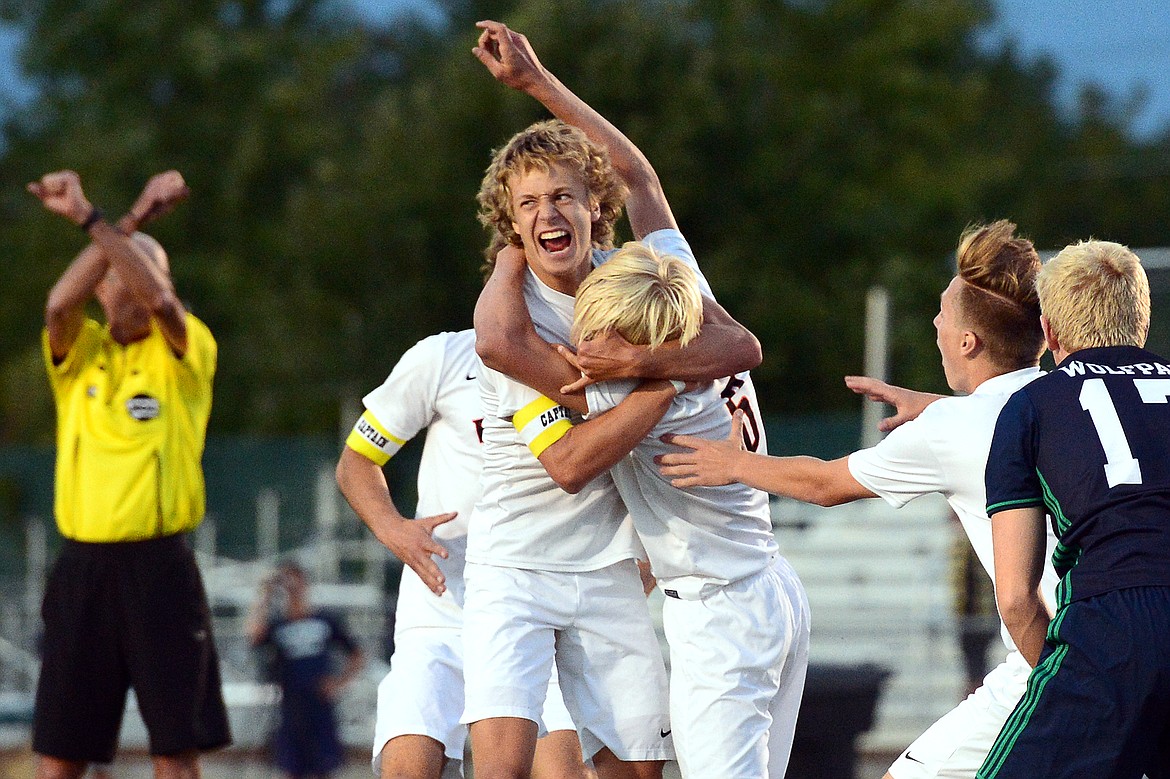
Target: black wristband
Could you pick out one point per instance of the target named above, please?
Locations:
(95, 216)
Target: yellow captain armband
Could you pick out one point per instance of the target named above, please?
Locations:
(541, 424)
(370, 439)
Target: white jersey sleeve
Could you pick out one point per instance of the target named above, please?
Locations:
(403, 405)
(902, 466)
(672, 242)
(539, 421)
(605, 395)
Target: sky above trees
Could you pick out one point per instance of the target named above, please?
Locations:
(1121, 45)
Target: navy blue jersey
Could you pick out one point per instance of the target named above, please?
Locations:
(1090, 441)
(307, 743)
(303, 650)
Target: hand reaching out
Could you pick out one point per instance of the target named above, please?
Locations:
(708, 463)
(908, 404)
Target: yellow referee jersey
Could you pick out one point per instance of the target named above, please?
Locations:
(131, 422)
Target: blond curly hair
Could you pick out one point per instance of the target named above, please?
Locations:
(537, 148)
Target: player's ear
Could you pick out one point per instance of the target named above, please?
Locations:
(1050, 339)
(594, 210)
(969, 343)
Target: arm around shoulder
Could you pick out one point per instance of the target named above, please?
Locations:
(723, 348)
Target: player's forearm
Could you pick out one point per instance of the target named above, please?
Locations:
(592, 448)
(646, 205)
(627, 159)
(717, 352)
(1027, 621)
(1019, 546)
(807, 479)
(500, 313)
(507, 342)
(364, 486)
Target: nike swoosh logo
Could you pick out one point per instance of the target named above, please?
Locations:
(913, 759)
(471, 377)
(663, 733)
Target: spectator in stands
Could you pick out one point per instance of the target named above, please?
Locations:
(307, 742)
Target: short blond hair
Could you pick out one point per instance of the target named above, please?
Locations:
(1095, 293)
(645, 296)
(537, 148)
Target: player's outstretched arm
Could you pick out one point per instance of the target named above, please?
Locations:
(411, 540)
(589, 449)
(908, 404)
(707, 463)
(1018, 542)
(507, 342)
(510, 58)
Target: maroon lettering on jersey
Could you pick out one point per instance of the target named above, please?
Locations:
(751, 424)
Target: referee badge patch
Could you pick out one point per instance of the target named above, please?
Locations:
(143, 407)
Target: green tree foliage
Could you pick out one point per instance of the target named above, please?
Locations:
(810, 148)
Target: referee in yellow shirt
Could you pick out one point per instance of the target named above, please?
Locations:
(124, 605)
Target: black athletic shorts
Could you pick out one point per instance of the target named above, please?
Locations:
(121, 615)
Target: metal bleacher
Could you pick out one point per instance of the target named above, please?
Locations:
(878, 586)
(877, 581)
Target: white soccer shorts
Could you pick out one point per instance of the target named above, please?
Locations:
(422, 695)
(738, 659)
(957, 744)
(597, 626)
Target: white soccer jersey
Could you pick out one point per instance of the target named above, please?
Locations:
(524, 519)
(701, 537)
(738, 393)
(433, 387)
(945, 450)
